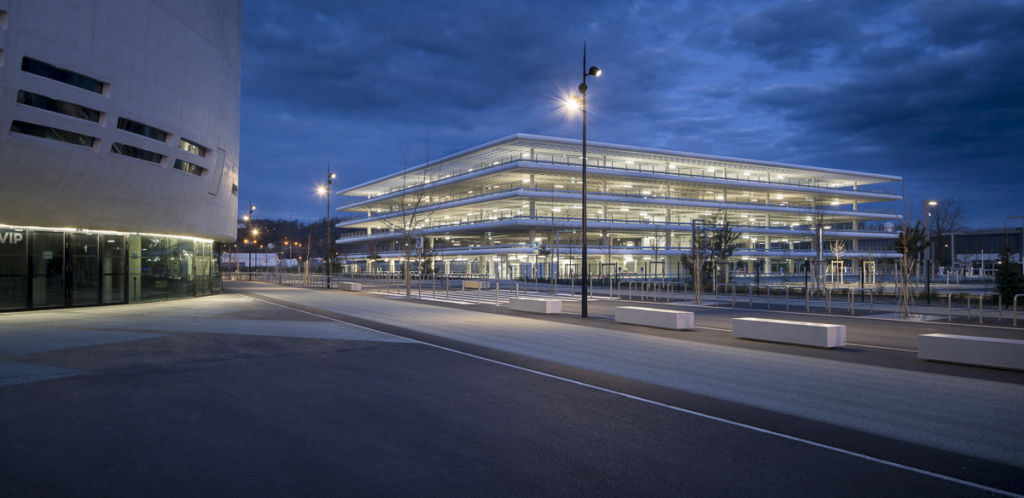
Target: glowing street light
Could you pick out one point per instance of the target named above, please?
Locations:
(325, 190)
(248, 219)
(571, 104)
(929, 255)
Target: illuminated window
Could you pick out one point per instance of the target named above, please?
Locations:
(190, 146)
(137, 153)
(52, 133)
(59, 106)
(45, 70)
(188, 167)
(142, 129)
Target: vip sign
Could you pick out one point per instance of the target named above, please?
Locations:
(11, 237)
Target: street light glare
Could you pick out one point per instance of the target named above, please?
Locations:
(572, 103)
(933, 203)
(321, 190)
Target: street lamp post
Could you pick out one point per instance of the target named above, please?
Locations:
(930, 252)
(326, 192)
(593, 71)
(248, 225)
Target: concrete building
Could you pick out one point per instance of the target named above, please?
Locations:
(512, 208)
(119, 148)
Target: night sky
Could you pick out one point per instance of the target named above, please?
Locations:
(841, 84)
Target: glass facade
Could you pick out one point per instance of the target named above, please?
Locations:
(13, 269)
(52, 133)
(42, 269)
(58, 106)
(128, 150)
(47, 258)
(190, 146)
(193, 169)
(142, 129)
(45, 70)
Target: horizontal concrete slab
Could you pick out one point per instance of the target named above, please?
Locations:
(971, 350)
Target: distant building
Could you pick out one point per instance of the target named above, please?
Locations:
(976, 252)
(119, 148)
(243, 260)
(512, 207)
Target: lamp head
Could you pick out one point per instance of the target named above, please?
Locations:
(594, 71)
(933, 203)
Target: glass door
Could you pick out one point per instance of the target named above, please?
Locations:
(13, 270)
(47, 269)
(114, 269)
(85, 263)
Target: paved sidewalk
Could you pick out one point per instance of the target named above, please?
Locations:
(962, 415)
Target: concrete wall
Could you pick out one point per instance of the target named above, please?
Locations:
(171, 64)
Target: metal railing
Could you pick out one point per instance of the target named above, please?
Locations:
(419, 178)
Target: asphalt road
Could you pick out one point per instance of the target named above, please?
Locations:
(281, 393)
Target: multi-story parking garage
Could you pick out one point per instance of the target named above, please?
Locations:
(512, 207)
(118, 150)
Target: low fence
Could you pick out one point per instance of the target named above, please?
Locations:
(848, 300)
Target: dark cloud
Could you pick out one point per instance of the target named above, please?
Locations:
(958, 23)
(797, 33)
(836, 84)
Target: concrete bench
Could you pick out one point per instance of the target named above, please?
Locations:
(821, 335)
(350, 286)
(476, 284)
(654, 317)
(535, 305)
(982, 351)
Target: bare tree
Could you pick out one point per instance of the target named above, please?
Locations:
(700, 250)
(948, 216)
(658, 232)
(409, 220)
(818, 219)
(723, 244)
(838, 250)
(712, 242)
(911, 245)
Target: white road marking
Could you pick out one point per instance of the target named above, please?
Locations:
(694, 413)
(881, 347)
